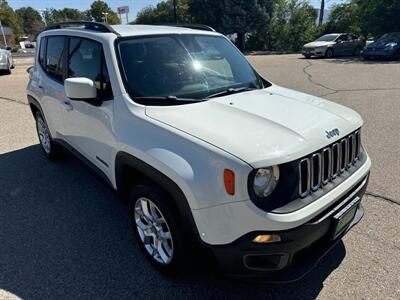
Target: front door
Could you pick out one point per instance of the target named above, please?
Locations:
(89, 123)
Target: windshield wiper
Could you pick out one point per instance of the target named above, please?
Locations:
(231, 91)
(160, 100)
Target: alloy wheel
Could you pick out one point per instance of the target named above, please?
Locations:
(154, 231)
(44, 136)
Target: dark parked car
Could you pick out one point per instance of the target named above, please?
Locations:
(388, 46)
(330, 45)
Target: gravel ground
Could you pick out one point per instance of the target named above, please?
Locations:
(65, 235)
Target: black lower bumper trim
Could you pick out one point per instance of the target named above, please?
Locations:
(300, 249)
(298, 271)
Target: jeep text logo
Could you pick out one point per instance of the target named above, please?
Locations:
(332, 133)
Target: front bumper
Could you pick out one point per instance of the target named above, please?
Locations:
(314, 52)
(378, 54)
(297, 254)
(3, 66)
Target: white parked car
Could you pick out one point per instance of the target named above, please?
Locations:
(6, 60)
(207, 153)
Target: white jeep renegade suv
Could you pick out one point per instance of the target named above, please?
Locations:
(204, 150)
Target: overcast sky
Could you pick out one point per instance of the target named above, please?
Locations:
(135, 5)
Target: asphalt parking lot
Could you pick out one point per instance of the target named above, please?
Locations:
(65, 235)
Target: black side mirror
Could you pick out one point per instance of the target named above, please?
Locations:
(9, 48)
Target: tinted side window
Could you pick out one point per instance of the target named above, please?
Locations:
(86, 59)
(42, 52)
(55, 58)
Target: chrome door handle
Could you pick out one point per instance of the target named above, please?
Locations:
(68, 106)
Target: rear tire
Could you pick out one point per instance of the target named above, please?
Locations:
(329, 53)
(307, 56)
(49, 148)
(156, 228)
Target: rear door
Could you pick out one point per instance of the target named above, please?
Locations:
(89, 123)
(352, 44)
(50, 81)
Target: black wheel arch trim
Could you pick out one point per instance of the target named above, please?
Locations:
(33, 102)
(124, 159)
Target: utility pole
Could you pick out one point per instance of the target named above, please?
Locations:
(175, 17)
(4, 36)
(321, 13)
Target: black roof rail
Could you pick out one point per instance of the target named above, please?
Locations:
(96, 26)
(191, 26)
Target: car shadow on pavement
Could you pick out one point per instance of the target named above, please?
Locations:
(64, 234)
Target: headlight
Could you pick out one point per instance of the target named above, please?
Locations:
(265, 181)
(2, 57)
(390, 46)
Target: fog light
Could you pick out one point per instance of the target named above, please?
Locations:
(266, 238)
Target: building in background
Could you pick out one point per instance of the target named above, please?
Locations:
(8, 35)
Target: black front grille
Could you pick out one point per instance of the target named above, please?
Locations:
(324, 166)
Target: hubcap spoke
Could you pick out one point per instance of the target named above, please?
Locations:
(145, 209)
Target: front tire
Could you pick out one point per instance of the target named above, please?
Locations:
(8, 70)
(49, 148)
(329, 53)
(155, 225)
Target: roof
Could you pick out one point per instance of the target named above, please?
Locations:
(95, 28)
(132, 30)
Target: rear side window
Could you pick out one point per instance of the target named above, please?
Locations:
(86, 59)
(55, 57)
(42, 52)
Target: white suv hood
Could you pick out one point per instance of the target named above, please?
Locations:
(262, 127)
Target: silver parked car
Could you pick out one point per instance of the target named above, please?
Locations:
(6, 60)
(334, 44)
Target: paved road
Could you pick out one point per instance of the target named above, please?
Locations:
(64, 234)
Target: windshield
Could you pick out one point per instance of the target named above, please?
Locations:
(390, 38)
(183, 66)
(327, 38)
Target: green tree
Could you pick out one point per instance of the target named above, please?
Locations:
(162, 13)
(9, 18)
(344, 18)
(240, 17)
(53, 16)
(208, 12)
(378, 16)
(97, 10)
(293, 25)
(30, 20)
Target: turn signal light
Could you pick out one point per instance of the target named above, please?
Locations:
(229, 181)
(266, 238)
